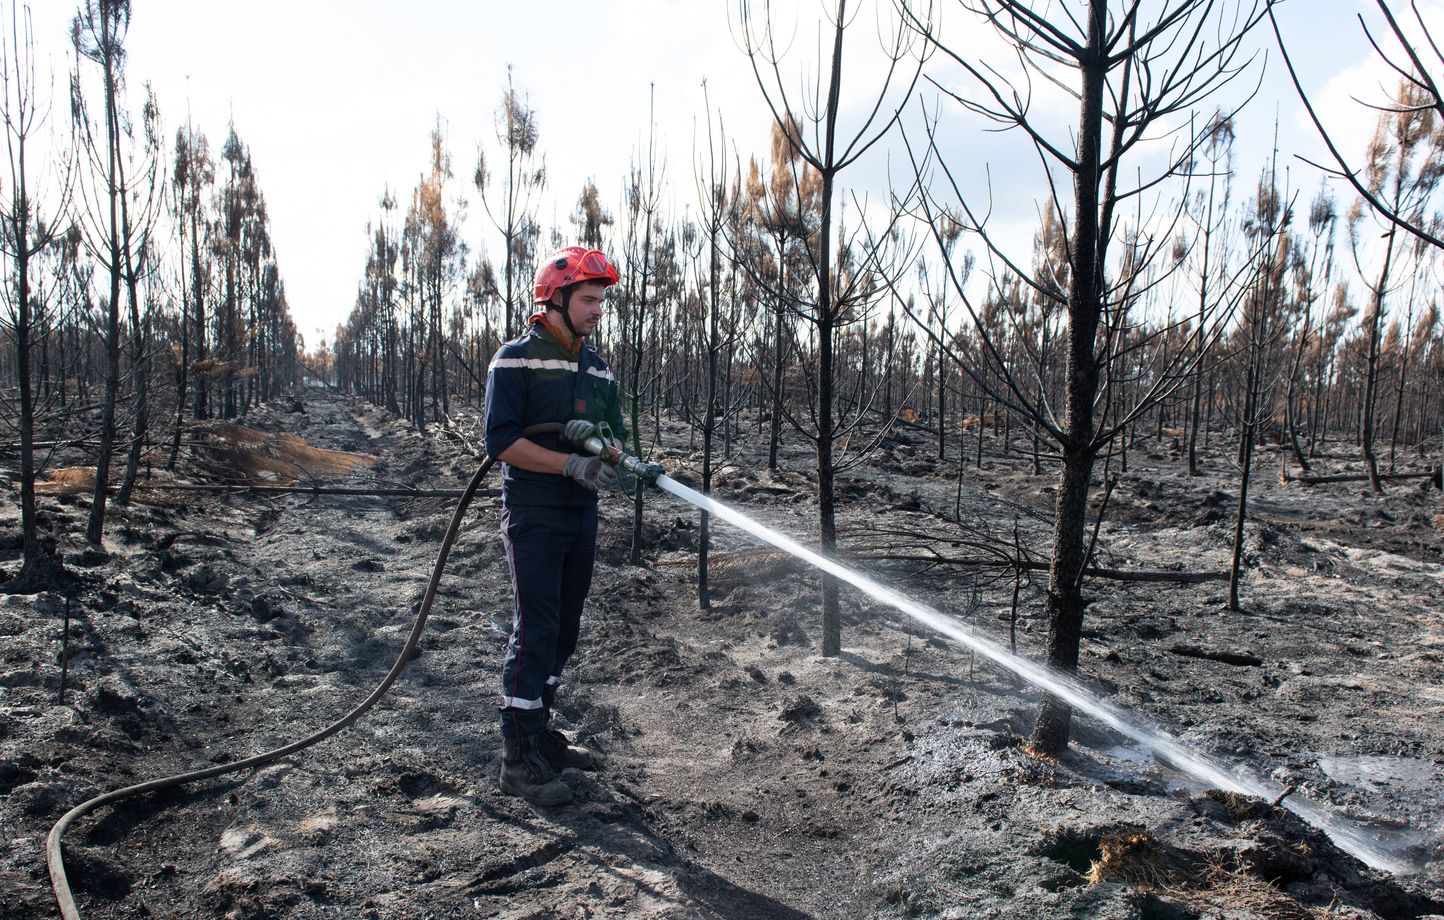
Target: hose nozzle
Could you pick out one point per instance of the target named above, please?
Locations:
(647, 472)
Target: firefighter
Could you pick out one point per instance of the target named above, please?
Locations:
(549, 505)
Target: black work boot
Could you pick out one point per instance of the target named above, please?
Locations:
(560, 753)
(525, 772)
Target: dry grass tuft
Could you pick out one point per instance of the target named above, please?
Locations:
(1137, 858)
(238, 452)
(993, 419)
(1221, 887)
(232, 452)
(1235, 890)
(1240, 807)
(69, 480)
(1439, 522)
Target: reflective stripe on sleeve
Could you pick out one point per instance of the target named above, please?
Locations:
(601, 372)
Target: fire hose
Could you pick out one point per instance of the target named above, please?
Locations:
(59, 882)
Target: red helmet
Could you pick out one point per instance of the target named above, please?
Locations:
(570, 265)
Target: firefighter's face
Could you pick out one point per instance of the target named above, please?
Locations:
(586, 306)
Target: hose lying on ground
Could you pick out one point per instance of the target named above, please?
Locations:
(54, 858)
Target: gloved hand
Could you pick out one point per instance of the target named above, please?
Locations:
(578, 430)
(590, 472)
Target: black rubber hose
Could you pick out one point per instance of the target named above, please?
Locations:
(53, 855)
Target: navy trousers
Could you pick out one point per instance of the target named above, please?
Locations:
(550, 551)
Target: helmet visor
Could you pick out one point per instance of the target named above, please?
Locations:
(593, 262)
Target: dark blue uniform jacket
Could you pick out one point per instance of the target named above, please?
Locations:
(536, 379)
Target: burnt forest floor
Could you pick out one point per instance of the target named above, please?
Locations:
(745, 775)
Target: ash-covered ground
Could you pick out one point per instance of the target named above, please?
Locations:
(745, 775)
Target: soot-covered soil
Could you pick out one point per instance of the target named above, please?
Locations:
(745, 775)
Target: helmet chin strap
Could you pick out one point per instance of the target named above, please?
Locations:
(567, 312)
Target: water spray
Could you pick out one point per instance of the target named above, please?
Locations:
(1351, 837)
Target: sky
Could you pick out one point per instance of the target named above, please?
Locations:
(336, 100)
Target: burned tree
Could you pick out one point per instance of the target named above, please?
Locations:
(1259, 329)
(1209, 212)
(139, 210)
(718, 210)
(1405, 165)
(430, 247)
(522, 177)
(98, 34)
(1128, 75)
(811, 127)
(192, 175)
(28, 226)
(645, 247)
(781, 214)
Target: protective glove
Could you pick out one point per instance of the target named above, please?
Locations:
(578, 430)
(590, 472)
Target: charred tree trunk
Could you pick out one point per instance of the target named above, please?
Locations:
(183, 364)
(709, 423)
(1291, 412)
(1065, 602)
(95, 527)
(198, 292)
(635, 367)
(779, 356)
(1246, 445)
(826, 322)
(1371, 369)
(140, 362)
(34, 557)
(20, 215)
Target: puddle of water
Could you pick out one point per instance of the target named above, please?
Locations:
(1405, 774)
(1372, 773)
